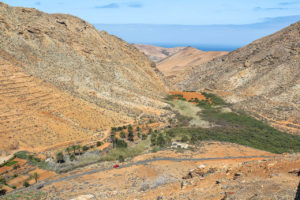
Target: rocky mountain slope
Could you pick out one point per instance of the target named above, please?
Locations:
(262, 78)
(62, 80)
(71, 54)
(177, 66)
(156, 53)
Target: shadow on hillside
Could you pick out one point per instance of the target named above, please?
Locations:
(298, 193)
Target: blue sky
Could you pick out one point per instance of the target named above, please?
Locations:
(184, 12)
(201, 21)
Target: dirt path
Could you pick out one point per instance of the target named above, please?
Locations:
(142, 162)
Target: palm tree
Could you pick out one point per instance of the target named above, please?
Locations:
(68, 149)
(74, 148)
(79, 148)
(36, 177)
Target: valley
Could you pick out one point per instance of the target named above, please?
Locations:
(87, 115)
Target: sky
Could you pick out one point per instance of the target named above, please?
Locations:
(169, 21)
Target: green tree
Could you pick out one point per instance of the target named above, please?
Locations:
(122, 134)
(130, 135)
(138, 128)
(85, 148)
(72, 157)
(160, 141)
(26, 184)
(121, 158)
(74, 148)
(144, 137)
(36, 176)
(153, 139)
(99, 144)
(184, 138)
(60, 157)
(68, 149)
(78, 147)
(121, 144)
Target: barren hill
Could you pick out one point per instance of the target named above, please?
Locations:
(176, 67)
(156, 53)
(262, 78)
(62, 80)
(71, 54)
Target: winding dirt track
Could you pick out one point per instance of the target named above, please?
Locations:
(142, 162)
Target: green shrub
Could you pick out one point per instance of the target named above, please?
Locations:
(26, 184)
(72, 157)
(85, 148)
(121, 158)
(99, 143)
(60, 157)
(184, 138)
(3, 181)
(16, 167)
(144, 137)
(130, 135)
(122, 134)
(11, 163)
(160, 141)
(121, 144)
(216, 100)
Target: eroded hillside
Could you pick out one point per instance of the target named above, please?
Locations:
(262, 78)
(36, 115)
(177, 67)
(71, 54)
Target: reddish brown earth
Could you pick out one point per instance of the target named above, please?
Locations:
(263, 178)
(177, 66)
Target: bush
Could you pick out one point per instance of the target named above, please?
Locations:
(26, 184)
(160, 141)
(144, 137)
(184, 138)
(16, 167)
(72, 157)
(60, 157)
(85, 148)
(130, 135)
(121, 158)
(99, 144)
(122, 134)
(15, 175)
(13, 187)
(153, 139)
(2, 192)
(120, 143)
(3, 181)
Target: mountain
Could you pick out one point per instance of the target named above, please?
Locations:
(262, 78)
(156, 53)
(61, 79)
(175, 67)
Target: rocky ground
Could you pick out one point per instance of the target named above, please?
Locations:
(228, 178)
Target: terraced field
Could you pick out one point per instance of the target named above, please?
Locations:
(35, 114)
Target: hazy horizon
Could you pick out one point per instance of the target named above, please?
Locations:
(214, 25)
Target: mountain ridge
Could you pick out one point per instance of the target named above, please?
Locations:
(261, 78)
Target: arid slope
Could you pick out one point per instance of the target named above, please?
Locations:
(62, 80)
(177, 66)
(71, 54)
(262, 78)
(156, 53)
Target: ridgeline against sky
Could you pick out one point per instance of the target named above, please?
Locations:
(210, 25)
